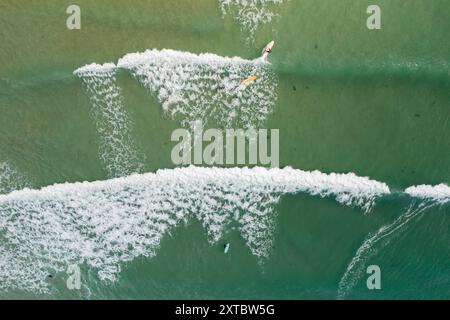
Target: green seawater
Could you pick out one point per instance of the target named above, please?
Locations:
(372, 102)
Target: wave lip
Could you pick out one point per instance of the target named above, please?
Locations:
(96, 68)
(348, 188)
(131, 60)
(342, 186)
(439, 193)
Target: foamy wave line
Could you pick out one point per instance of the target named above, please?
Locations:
(439, 193)
(206, 86)
(117, 149)
(430, 195)
(373, 243)
(105, 223)
(97, 69)
(130, 60)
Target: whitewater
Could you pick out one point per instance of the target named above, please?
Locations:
(106, 223)
(117, 149)
(189, 87)
(206, 87)
(251, 14)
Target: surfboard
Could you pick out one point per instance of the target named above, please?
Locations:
(249, 80)
(265, 53)
(267, 49)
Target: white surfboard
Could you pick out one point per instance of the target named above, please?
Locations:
(267, 50)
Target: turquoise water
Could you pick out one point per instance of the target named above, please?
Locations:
(346, 99)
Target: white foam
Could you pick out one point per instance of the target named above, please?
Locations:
(439, 193)
(10, 178)
(251, 14)
(375, 242)
(206, 86)
(117, 149)
(103, 224)
(102, 69)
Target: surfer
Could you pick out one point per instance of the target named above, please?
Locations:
(265, 55)
(267, 50)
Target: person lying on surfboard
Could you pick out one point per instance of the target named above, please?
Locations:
(265, 54)
(267, 50)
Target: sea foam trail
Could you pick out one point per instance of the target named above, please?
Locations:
(430, 196)
(117, 150)
(206, 86)
(251, 14)
(106, 223)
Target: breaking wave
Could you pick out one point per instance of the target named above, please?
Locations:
(106, 223)
(117, 150)
(206, 86)
(430, 196)
(439, 193)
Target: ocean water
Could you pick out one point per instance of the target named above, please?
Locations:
(86, 178)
